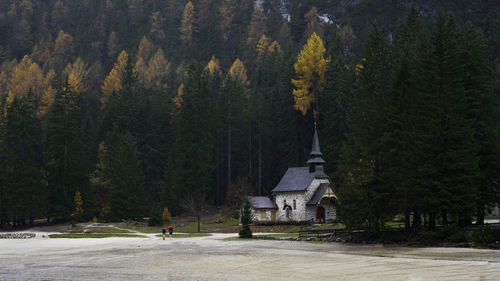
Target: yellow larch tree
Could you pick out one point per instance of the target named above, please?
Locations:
(158, 71)
(178, 99)
(213, 66)
(275, 48)
(188, 28)
(145, 49)
(262, 47)
(77, 73)
(49, 94)
(238, 71)
(113, 82)
(78, 204)
(27, 76)
(310, 69)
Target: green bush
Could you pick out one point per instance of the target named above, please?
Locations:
(483, 235)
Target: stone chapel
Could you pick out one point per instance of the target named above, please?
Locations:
(303, 194)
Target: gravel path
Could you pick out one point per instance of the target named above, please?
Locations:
(213, 258)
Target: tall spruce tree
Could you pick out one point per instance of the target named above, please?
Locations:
(365, 197)
(396, 144)
(338, 91)
(192, 167)
(65, 160)
(21, 188)
(482, 111)
(123, 175)
(447, 163)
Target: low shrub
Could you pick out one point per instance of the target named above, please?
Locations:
(483, 235)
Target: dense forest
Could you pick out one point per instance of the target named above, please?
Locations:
(116, 109)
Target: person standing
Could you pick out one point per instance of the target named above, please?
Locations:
(170, 231)
(164, 231)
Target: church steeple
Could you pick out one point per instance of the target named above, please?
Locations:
(316, 162)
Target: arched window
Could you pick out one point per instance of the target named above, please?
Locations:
(294, 204)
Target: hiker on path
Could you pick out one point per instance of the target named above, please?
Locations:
(164, 231)
(170, 231)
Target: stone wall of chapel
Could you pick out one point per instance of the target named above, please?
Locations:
(295, 215)
(313, 187)
(330, 212)
(257, 218)
(302, 212)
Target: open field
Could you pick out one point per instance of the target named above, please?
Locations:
(214, 258)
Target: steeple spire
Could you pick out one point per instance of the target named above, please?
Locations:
(316, 162)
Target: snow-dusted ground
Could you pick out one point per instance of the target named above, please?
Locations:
(212, 258)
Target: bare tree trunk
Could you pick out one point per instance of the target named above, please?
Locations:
(260, 166)
(217, 185)
(250, 157)
(198, 223)
(229, 147)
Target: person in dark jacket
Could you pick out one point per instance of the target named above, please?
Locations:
(164, 231)
(170, 231)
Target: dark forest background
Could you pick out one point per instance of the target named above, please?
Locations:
(116, 109)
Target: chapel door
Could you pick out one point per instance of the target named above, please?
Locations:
(320, 214)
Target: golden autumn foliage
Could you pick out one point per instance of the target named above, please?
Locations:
(78, 203)
(238, 72)
(158, 71)
(77, 73)
(274, 48)
(178, 98)
(360, 66)
(187, 28)
(166, 217)
(213, 66)
(145, 49)
(262, 47)
(28, 77)
(113, 81)
(152, 74)
(310, 69)
(49, 94)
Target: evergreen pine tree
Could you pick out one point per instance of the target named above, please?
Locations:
(65, 160)
(365, 197)
(246, 220)
(21, 187)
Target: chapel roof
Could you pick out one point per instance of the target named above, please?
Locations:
(295, 179)
(318, 194)
(261, 202)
